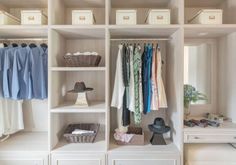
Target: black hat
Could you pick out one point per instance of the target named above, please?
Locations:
(159, 126)
(80, 87)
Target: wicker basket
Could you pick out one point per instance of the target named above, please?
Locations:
(137, 139)
(82, 60)
(82, 138)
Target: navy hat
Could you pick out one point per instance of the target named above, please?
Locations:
(159, 126)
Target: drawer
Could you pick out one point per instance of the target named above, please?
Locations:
(78, 159)
(159, 16)
(209, 138)
(126, 17)
(144, 159)
(82, 17)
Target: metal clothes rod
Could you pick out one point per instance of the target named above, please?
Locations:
(24, 39)
(141, 39)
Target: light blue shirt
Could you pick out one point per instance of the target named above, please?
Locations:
(2, 52)
(39, 71)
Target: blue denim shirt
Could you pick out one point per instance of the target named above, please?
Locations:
(2, 53)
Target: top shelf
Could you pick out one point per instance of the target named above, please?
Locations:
(139, 3)
(203, 3)
(84, 3)
(24, 3)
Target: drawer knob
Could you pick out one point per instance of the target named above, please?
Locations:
(126, 18)
(159, 17)
(31, 18)
(82, 18)
(212, 17)
(196, 137)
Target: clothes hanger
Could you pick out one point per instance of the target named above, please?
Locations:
(5, 45)
(14, 45)
(23, 45)
(44, 45)
(32, 45)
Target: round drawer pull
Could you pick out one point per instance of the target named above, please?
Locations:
(196, 137)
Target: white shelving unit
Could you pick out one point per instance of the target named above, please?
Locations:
(42, 143)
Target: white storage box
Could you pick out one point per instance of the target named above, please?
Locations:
(33, 17)
(8, 19)
(158, 16)
(82, 17)
(126, 17)
(208, 16)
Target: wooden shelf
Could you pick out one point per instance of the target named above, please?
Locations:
(94, 107)
(204, 3)
(140, 3)
(26, 142)
(170, 148)
(78, 69)
(85, 3)
(24, 3)
(98, 146)
(147, 31)
(208, 31)
(23, 31)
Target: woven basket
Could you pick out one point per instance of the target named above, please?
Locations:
(137, 139)
(83, 138)
(82, 60)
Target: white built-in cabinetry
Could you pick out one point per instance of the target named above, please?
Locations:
(41, 143)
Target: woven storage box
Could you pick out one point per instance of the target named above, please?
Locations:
(137, 139)
(82, 60)
(81, 138)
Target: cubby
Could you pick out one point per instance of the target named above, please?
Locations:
(143, 8)
(14, 7)
(62, 10)
(228, 7)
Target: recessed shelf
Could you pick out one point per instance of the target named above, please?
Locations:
(26, 142)
(85, 3)
(20, 31)
(170, 148)
(81, 32)
(208, 31)
(78, 68)
(94, 107)
(138, 31)
(24, 3)
(139, 3)
(98, 146)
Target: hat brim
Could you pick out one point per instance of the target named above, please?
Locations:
(164, 129)
(86, 90)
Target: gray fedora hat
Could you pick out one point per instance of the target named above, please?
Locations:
(159, 126)
(79, 88)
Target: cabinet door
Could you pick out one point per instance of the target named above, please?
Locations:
(144, 159)
(78, 159)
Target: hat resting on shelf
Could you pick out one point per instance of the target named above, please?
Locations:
(80, 88)
(159, 126)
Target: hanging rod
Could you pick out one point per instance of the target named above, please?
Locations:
(24, 39)
(141, 39)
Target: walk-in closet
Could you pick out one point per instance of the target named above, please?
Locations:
(198, 54)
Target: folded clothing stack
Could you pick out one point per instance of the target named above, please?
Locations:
(80, 131)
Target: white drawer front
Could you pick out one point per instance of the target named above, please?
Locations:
(144, 162)
(126, 18)
(23, 162)
(210, 138)
(211, 18)
(78, 159)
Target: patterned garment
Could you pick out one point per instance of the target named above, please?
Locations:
(137, 65)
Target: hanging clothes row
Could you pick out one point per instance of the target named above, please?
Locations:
(138, 85)
(23, 71)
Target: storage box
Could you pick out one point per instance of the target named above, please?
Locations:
(158, 16)
(208, 16)
(8, 19)
(126, 17)
(82, 17)
(33, 17)
(137, 139)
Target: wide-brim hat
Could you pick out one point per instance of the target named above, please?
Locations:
(79, 88)
(159, 126)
